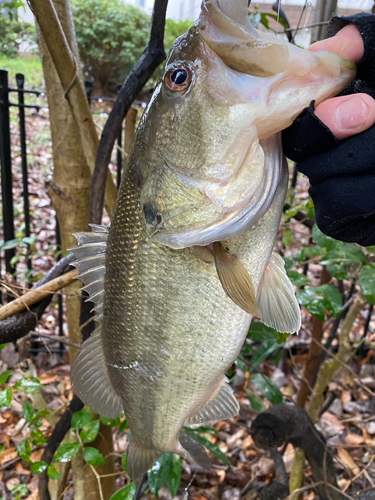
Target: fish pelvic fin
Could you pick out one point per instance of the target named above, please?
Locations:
(139, 459)
(220, 406)
(193, 451)
(90, 254)
(277, 299)
(235, 280)
(91, 381)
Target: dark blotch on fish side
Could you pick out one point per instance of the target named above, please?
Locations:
(151, 215)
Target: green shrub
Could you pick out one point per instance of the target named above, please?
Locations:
(13, 33)
(111, 37)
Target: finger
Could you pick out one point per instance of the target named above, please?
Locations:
(346, 43)
(347, 115)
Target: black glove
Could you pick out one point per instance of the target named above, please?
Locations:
(341, 173)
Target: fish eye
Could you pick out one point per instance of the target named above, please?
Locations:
(178, 78)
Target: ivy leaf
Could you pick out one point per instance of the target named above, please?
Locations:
(52, 472)
(298, 279)
(210, 446)
(28, 385)
(124, 425)
(125, 493)
(37, 437)
(123, 461)
(28, 411)
(39, 415)
(90, 431)
(92, 456)
(110, 422)
(262, 353)
(66, 451)
(4, 376)
(268, 388)
(255, 401)
(259, 332)
(166, 469)
(366, 281)
(24, 450)
(6, 397)
(332, 299)
(81, 418)
(38, 467)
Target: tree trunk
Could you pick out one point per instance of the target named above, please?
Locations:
(69, 190)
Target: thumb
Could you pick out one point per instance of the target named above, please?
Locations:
(347, 115)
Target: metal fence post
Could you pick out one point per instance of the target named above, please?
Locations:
(6, 168)
(20, 79)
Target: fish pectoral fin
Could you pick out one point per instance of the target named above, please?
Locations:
(193, 451)
(221, 406)
(139, 459)
(277, 299)
(91, 381)
(235, 280)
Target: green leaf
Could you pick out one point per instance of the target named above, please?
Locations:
(298, 279)
(262, 353)
(90, 431)
(28, 411)
(314, 305)
(6, 397)
(366, 281)
(268, 388)
(124, 425)
(24, 450)
(206, 430)
(52, 472)
(320, 299)
(287, 237)
(210, 446)
(166, 469)
(332, 299)
(255, 401)
(81, 418)
(110, 422)
(38, 416)
(125, 493)
(28, 385)
(259, 332)
(37, 437)
(20, 490)
(66, 451)
(4, 376)
(174, 476)
(123, 461)
(92, 456)
(38, 467)
(288, 263)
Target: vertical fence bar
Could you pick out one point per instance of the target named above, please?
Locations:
(6, 168)
(20, 79)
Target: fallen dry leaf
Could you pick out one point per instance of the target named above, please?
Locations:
(47, 379)
(345, 397)
(21, 470)
(333, 420)
(221, 473)
(347, 461)
(354, 439)
(36, 455)
(247, 443)
(7, 455)
(34, 496)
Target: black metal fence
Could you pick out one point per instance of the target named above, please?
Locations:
(15, 97)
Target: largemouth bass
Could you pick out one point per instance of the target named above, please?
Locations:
(188, 258)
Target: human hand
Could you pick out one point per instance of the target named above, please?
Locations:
(334, 144)
(346, 115)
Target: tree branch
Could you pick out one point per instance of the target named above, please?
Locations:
(152, 56)
(20, 324)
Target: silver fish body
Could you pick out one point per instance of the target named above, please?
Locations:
(191, 240)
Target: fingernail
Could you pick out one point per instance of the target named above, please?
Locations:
(352, 113)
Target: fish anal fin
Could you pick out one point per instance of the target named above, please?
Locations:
(139, 459)
(193, 451)
(235, 280)
(277, 299)
(221, 406)
(91, 381)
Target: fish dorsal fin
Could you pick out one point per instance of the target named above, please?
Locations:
(139, 459)
(90, 254)
(277, 299)
(221, 406)
(193, 451)
(90, 378)
(235, 280)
